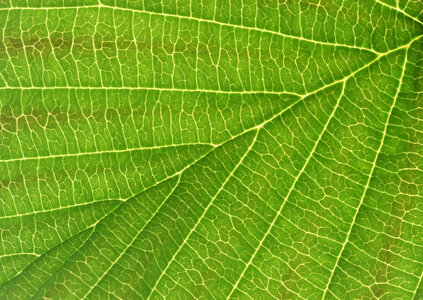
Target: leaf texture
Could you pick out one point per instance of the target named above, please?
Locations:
(211, 149)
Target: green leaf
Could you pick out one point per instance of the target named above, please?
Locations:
(211, 149)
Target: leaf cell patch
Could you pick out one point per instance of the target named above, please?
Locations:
(216, 149)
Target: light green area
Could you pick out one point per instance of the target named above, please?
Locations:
(211, 149)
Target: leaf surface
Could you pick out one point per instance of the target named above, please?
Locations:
(211, 149)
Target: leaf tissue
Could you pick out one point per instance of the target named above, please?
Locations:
(211, 149)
